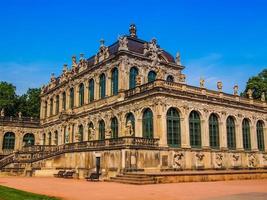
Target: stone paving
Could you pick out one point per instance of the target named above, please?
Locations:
(82, 190)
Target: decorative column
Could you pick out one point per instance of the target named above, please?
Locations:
(68, 99)
(122, 124)
(253, 136)
(223, 133)
(1, 139)
(205, 133)
(42, 109)
(60, 102)
(48, 108)
(185, 139)
(239, 135)
(108, 84)
(76, 96)
(122, 77)
(85, 131)
(138, 124)
(97, 88)
(160, 124)
(264, 133)
(86, 92)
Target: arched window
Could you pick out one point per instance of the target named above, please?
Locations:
(114, 127)
(132, 78)
(81, 94)
(28, 139)
(49, 138)
(170, 78)
(44, 139)
(90, 131)
(130, 123)
(9, 140)
(101, 130)
(64, 101)
(195, 129)
(56, 138)
(57, 104)
(45, 109)
(260, 135)
(151, 76)
(51, 106)
(231, 138)
(173, 128)
(102, 86)
(114, 81)
(80, 138)
(91, 90)
(71, 98)
(214, 132)
(147, 123)
(246, 134)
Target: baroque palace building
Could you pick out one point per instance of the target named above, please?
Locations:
(130, 106)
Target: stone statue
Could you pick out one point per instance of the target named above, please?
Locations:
(129, 128)
(182, 78)
(53, 78)
(81, 57)
(2, 112)
(249, 93)
(202, 83)
(177, 160)
(219, 86)
(138, 80)
(91, 133)
(219, 160)
(236, 90)
(65, 68)
(263, 97)
(133, 30)
(20, 115)
(178, 58)
(74, 61)
(123, 43)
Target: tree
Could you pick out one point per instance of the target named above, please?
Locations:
(8, 98)
(258, 85)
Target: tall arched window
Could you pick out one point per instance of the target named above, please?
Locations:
(147, 123)
(170, 78)
(91, 90)
(151, 76)
(64, 101)
(114, 127)
(214, 131)
(132, 78)
(90, 131)
(71, 98)
(81, 94)
(114, 81)
(9, 140)
(130, 122)
(195, 129)
(44, 139)
(173, 128)
(231, 138)
(246, 134)
(80, 138)
(101, 130)
(56, 138)
(51, 106)
(260, 135)
(57, 104)
(49, 138)
(28, 139)
(102, 86)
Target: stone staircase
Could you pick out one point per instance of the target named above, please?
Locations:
(133, 178)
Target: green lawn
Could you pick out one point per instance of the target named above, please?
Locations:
(13, 194)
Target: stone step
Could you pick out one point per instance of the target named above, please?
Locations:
(132, 178)
(139, 182)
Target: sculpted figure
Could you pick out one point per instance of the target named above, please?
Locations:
(178, 58)
(219, 85)
(91, 133)
(20, 115)
(123, 43)
(129, 128)
(249, 93)
(2, 112)
(133, 30)
(138, 80)
(202, 83)
(263, 96)
(74, 61)
(236, 90)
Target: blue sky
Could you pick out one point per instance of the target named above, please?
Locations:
(218, 40)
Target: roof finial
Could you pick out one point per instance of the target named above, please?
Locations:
(102, 42)
(132, 31)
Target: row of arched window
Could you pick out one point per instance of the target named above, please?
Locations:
(10, 138)
(102, 89)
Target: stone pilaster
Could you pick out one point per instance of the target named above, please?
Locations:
(86, 92)
(253, 137)
(239, 135)
(185, 139)
(265, 137)
(223, 134)
(205, 139)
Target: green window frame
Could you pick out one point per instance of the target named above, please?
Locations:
(91, 90)
(195, 129)
(147, 122)
(130, 117)
(246, 134)
(80, 129)
(132, 78)
(152, 75)
(173, 128)
(260, 135)
(101, 130)
(102, 86)
(170, 78)
(64, 101)
(114, 81)
(231, 136)
(81, 94)
(57, 104)
(9, 140)
(28, 139)
(71, 98)
(49, 138)
(51, 106)
(114, 127)
(214, 132)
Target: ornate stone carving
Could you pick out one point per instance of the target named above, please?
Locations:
(202, 83)
(133, 30)
(52, 78)
(92, 133)
(249, 93)
(252, 160)
(123, 43)
(103, 52)
(182, 78)
(2, 112)
(129, 129)
(219, 160)
(263, 97)
(219, 86)
(178, 58)
(138, 80)
(199, 160)
(178, 160)
(74, 62)
(236, 90)
(152, 50)
(236, 160)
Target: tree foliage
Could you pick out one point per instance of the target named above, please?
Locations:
(28, 104)
(258, 85)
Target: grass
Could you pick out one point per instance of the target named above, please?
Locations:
(7, 193)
